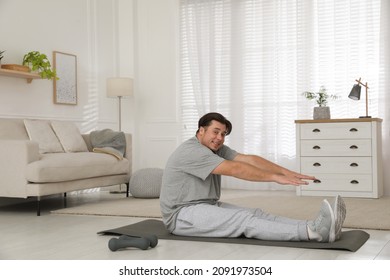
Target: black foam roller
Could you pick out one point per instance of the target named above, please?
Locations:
(116, 244)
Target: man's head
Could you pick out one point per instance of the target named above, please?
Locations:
(212, 129)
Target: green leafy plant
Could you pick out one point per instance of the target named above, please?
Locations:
(321, 97)
(40, 63)
(1, 55)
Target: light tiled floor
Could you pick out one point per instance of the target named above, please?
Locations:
(24, 236)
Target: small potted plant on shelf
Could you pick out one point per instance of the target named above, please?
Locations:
(322, 111)
(39, 63)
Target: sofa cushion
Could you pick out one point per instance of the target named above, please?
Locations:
(41, 132)
(69, 136)
(59, 167)
(13, 129)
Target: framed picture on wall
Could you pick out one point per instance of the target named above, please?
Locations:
(65, 88)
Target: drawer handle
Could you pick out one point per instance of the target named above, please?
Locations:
(316, 130)
(354, 164)
(354, 147)
(316, 164)
(316, 147)
(317, 181)
(354, 182)
(353, 130)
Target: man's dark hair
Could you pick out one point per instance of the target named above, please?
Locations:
(206, 120)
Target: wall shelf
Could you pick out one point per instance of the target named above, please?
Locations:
(20, 74)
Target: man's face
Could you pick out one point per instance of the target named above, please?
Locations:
(212, 136)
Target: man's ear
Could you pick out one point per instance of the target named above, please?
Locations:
(201, 130)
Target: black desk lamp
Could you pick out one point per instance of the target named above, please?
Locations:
(355, 94)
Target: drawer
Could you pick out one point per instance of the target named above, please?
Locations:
(340, 182)
(350, 130)
(349, 165)
(350, 147)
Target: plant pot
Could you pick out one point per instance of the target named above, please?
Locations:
(320, 113)
(16, 67)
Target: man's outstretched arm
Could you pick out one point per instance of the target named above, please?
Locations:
(267, 165)
(258, 169)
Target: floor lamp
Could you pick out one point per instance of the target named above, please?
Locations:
(119, 87)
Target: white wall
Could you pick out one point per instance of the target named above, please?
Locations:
(156, 55)
(84, 28)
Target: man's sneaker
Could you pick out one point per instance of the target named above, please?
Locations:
(324, 224)
(340, 212)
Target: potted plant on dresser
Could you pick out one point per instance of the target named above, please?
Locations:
(322, 111)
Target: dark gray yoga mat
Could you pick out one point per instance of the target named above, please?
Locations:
(350, 240)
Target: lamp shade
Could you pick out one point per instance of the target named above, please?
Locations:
(355, 92)
(119, 87)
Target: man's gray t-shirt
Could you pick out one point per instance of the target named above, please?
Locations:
(188, 180)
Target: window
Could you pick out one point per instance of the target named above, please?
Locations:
(251, 60)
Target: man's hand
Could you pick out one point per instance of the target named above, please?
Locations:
(290, 180)
(293, 178)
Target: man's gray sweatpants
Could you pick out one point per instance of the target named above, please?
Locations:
(227, 220)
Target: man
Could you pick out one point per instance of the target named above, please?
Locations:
(191, 190)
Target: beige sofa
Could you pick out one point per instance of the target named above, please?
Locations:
(34, 163)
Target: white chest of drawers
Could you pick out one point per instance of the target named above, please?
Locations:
(345, 155)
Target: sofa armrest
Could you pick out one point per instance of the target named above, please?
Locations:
(87, 140)
(15, 155)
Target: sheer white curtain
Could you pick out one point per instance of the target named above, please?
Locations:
(251, 60)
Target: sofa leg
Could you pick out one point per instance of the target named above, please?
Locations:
(65, 200)
(38, 206)
(127, 189)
